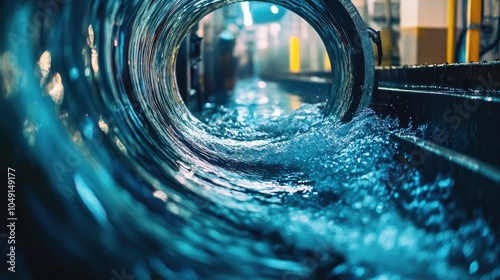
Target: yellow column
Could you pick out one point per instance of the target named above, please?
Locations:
(294, 54)
(452, 19)
(386, 34)
(473, 39)
(326, 63)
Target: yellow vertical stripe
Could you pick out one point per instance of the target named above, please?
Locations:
(327, 66)
(473, 39)
(452, 19)
(294, 54)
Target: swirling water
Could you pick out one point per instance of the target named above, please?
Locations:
(134, 183)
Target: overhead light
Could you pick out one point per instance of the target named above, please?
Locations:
(247, 20)
(274, 9)
(247, 15)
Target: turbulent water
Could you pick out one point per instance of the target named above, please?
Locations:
(131, 184)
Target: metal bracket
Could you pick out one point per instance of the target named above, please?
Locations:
(377, 40)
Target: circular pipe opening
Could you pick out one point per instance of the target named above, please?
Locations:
(337, 23)
(254, 61)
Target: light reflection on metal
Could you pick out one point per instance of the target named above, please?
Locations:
(93, 53)
(44, 63)
(56, 89)
(29, 132)
(94, 61)
(103, 125)
(77, 138)
(160, 195)
(90, 39)
(120, 146)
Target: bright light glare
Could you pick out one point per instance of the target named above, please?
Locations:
(247, 16)
(245, 7)
(274, 9)
(248, 21)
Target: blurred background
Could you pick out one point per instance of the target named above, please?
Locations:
(256, 40)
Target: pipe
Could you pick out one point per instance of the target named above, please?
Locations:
(377, 40)
(452, 22)
(473, 39)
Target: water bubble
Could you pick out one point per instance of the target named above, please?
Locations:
(473, 268)
(74, 73)
(359, 271)
(468, 248)
(380, 208)
(387, 238)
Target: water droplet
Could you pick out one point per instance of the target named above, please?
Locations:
(379, 208)
(90, 199)
(474, 267)
(468, 248)
(74, 74)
